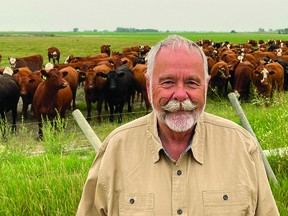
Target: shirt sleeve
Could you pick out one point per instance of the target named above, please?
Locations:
(265, 201)
(87, 205)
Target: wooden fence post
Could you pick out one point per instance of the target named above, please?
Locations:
(246, 125)
(87, 130)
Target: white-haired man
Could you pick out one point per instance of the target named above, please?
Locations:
(178, 160)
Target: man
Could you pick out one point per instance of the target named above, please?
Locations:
(178, 160)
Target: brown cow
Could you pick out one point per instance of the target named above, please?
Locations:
(34, 62)
(219, 77)
(105, 48)
(73, 59)
(267, 78)
(28, 83)
(54, 54)
(139, 72)
(94, 88)
(260, 55)
(242, 79)
(52, 97)
(73, 79)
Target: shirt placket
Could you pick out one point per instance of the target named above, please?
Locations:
(179, 202)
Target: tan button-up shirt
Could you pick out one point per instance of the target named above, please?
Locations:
(221, 174)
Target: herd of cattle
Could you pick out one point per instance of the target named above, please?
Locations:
(113, 78)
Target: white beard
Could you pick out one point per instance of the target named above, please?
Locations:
(179, 122)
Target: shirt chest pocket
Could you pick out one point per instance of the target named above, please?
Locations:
(136, 205)
(227, 202)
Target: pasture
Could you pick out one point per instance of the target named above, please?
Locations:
(46, 177)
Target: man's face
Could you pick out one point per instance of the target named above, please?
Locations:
(178, 76)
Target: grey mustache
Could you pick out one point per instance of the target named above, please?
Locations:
(174, 105)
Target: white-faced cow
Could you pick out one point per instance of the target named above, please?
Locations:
(54, 54)
(34, 62)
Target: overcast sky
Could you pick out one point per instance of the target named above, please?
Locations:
(173, 15)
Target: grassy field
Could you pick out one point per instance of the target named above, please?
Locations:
(46, 178)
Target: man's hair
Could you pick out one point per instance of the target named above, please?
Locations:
(174, 41)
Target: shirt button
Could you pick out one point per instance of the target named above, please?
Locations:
(179, 172)
(132, 201)
(179, 211)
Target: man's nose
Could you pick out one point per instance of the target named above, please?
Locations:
(180, 93)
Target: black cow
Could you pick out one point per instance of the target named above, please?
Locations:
(119, 89)
(284, 64)
(9, 97)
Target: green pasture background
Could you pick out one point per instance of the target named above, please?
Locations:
(46, 177)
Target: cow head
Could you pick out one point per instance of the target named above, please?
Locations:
(112, 79)
(68, 59)
(261, 74)
(54, 78)
(12, 62)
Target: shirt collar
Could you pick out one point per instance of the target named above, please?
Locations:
(197, 143)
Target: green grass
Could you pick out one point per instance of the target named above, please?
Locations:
(44, 178)
(42, 185)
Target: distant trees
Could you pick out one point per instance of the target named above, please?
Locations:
(121, 29)
(282, 31)
(75, 29)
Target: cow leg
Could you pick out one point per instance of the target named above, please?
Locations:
(99, 109)
(120, 111)
(14, 117)
(111, 107)
(89, 108)
(40, 132)
(3, 124)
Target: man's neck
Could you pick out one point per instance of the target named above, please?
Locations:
(175, 143)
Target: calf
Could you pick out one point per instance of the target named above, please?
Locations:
(52, 97)
(119, 88)
(9, 97)
(105, 49)
(139, 72)
(28, 83)
(267, 78)
(219, 77)
(72, 78)
(94, 88)
(242, 79)
(34, 62)
(54, 54)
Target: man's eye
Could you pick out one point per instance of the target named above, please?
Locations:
(167, 83)
(192, 83)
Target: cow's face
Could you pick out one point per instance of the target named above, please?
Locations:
(54, 55)
(12, 62)
(112, 80)
(261, 76)
(54, 78)
(223, 72)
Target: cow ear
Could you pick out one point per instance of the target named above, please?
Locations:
(44, 73)
(101, 74)
(15, 71)
(271, 72)
(64, 73)
(120, 74)
(82, 74)
(31, 80)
